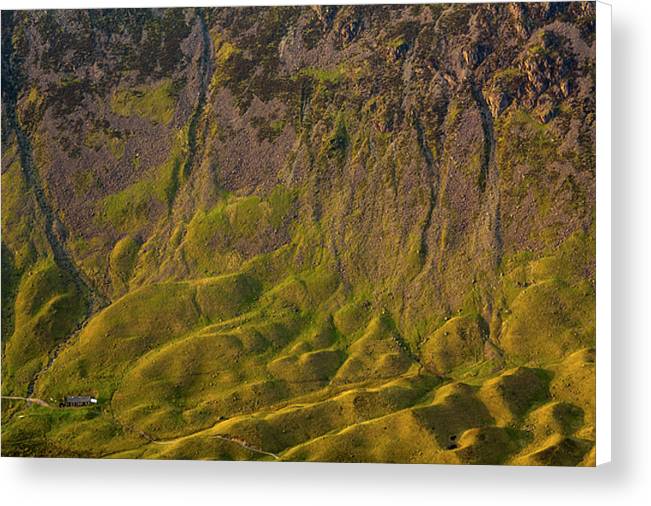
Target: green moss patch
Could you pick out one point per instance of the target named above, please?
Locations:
(155, 102)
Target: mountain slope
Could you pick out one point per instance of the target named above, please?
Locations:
(340, 233)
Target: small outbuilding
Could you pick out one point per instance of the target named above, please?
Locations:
(77, 401)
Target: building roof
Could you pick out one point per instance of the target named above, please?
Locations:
(79, 398)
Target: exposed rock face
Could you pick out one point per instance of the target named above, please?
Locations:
(420, 163)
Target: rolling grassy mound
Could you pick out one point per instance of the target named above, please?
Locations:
(234, 367)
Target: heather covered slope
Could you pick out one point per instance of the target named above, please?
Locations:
(317, 233)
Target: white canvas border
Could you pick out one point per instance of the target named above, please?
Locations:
(603, 169)
(604, 243)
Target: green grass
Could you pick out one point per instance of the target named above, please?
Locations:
(549, 301)
(142, 320)
(224, 51)
(331, 76)
(155, 102)
(396, 42)
(135, 207)
(88, 432)
(378, 353)
(547, 321)
(264, 356)
(21, 223)
(217, 239)
(46, 309)
(122, 261)
(353, 316)
(130, 209)
(458, 342)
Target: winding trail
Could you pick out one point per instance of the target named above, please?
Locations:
(228, 439)
(30, 400)
(244, 444)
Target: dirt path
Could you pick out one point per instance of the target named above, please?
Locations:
(244, 444)
(31, 400)
(221, 437)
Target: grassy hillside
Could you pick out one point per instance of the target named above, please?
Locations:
(300, 233)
